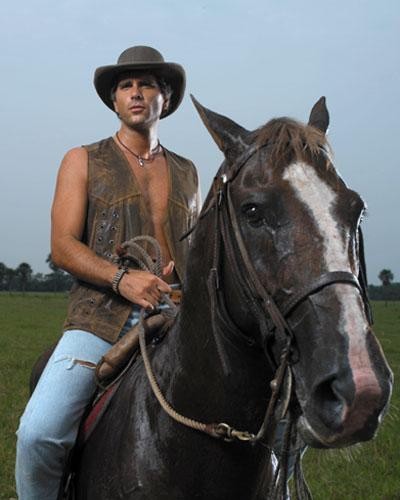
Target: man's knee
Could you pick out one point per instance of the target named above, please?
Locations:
(33, 436)
(39, 436)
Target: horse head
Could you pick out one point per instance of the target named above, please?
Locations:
(292, 267)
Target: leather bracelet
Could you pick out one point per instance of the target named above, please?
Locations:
(117, 279)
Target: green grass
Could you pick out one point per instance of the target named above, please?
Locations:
(29, 323)
(369, 470)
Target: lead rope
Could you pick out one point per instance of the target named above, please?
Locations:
(209, 429)
(221, 430)
(156, 388)
(133, 251)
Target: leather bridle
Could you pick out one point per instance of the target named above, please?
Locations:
(229, 243)
(227, 232)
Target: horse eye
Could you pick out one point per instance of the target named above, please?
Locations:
(253, 215)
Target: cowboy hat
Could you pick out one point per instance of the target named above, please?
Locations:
(136, 59)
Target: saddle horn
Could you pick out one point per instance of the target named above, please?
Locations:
(230, 137)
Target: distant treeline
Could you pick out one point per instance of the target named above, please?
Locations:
(22, 279)
(62, 282)
(53, 282)
(384, 292)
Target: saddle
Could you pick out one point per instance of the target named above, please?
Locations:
(112, 367)
(115, 360)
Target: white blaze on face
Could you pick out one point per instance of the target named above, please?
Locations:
(320, 200)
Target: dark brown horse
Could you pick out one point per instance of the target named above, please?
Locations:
(274, 279)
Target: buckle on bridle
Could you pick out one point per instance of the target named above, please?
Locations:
(220, 187)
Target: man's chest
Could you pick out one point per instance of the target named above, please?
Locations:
(153, 180)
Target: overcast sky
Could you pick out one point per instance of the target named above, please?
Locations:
(250, 60)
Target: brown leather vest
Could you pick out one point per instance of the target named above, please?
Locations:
(116, 213)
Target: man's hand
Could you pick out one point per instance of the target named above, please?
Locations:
(144, 288)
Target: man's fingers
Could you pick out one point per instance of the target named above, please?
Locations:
(145, 304)
(154, 296)
(143, 288)
(162, 286)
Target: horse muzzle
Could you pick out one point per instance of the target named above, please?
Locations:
(345, 408)
(344, 393)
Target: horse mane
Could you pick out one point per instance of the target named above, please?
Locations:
(289, 139)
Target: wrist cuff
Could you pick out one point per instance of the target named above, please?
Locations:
(117, 279)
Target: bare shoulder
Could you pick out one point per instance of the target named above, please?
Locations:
(70, 197)
(75, 162)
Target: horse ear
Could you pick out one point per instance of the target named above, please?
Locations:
(319, 116)
(230, 137)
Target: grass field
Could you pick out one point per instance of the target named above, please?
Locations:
(370, 471)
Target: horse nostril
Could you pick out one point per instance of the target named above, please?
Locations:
(329, 403)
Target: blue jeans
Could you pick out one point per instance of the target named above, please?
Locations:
(50, 423)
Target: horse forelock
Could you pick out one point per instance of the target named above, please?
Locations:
(290, 140)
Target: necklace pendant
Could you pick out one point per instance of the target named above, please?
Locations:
(141, 161)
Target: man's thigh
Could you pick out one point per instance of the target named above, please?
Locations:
(66, 384)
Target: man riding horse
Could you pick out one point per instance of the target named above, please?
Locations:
(107, 192)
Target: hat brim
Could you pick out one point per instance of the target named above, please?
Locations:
(174, 74)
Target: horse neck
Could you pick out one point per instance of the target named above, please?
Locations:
(218, 370)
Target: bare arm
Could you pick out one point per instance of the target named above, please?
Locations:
(67, 250)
